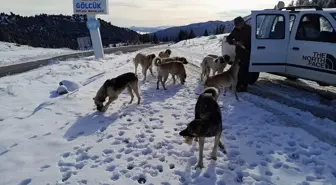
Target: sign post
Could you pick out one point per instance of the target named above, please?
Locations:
(91, 8)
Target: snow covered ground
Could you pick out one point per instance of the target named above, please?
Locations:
(50, 139)
(11, 53)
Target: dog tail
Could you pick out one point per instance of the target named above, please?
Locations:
(157, 61)
(211, 90)
(134, 61)
(204, 63)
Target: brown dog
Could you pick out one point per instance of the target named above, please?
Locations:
(146, 63)
(165, 54)
(113, 87)
(226, 79)
(173, 67)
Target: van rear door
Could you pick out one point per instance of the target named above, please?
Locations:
(270, 38)
(312, 48)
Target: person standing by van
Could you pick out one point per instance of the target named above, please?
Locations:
(241, 38)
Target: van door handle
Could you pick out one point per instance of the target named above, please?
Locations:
(261, 47)
(296, 48)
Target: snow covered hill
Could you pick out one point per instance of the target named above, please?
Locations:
(11, 53)
(49, 139)
(142, 30)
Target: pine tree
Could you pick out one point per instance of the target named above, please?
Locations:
(183, 35)
(155, 39)
(206, 33)
(331, 4)
(217, 30)
(321, 3)
(180, 36)
(191, 34)
(291, 4)
(302, 3)
(221, 29)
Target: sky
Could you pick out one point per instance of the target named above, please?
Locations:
(148, 13)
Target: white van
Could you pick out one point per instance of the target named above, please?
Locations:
(296, 42)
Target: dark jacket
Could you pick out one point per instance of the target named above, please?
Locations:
(243, 35)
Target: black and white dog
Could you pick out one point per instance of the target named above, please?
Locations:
(113, 87)
(207, 123)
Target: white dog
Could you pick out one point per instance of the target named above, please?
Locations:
(215, 63)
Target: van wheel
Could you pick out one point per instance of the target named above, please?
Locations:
(322, 84)
(291, 78)
(253, 77)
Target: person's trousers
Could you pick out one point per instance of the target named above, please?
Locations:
(243, 73)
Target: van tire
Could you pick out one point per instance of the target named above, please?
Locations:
(253, 77)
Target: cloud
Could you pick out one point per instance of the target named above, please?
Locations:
(231, 14)
(148, 12)
(124, 4)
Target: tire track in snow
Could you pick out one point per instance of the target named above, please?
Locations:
(291, 120)
(322, 112)
(318, 111)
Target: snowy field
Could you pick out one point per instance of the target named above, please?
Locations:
(50, 139)
(10, 53)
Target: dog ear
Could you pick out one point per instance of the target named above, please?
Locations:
(106, 82)
(221, 60)
(168, 51)
(151, 56)
(227, 58)
(185, 60)
(195, 127)
(112, 81)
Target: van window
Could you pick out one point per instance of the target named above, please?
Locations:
(270, 26)
(315, 27)
(334, 15)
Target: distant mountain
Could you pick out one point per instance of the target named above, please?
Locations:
(198, 29)
(57, 31)
(143, 30)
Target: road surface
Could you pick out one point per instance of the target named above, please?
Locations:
(23, 67)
